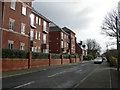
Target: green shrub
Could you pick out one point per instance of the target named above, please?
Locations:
(113, 61)
(56, 56)
(88, 57)
(66, 56)
(36, 55)
(8, 53)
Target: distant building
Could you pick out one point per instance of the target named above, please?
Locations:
(58, 40)
(71, 39)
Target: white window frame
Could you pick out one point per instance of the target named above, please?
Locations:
(22, 46)
(61, 35)
(32, 19)
(23, 28)
(62, 46)
(44, 39)
(44, 26)
(11, 26)
(39, 36)
(24, 10)
(10, 42)
(39, 21)
(45, 51)
(13, 4)
(32, 34)
(36, 19)
(36, 35)
(38, 49)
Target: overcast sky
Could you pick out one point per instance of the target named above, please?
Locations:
(84, 17)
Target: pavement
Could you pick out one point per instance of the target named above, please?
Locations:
(103, 77)
(73, 75)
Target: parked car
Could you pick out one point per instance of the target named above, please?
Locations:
(98, 60)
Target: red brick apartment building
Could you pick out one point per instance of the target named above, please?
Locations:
(16, 25)
(24, 28)
(58, 40)
(71, 39)
(39, 34)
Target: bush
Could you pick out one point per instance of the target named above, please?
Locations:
(113, 61)
(56, 56)
(66, 56)
(36, 55)
(88, 57)
(8, 53)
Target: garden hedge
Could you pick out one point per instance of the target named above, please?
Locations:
(36, 55)
(9, 53)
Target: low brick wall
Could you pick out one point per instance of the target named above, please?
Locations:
(66, 61)
(77, 60)
(73, 60)
(39, 62)
(14, 64)
(55, 62)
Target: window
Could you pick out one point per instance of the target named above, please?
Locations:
(45, 51)
(39, 36)
(44, 39)
(10, 44)
(31, 35)
(64, 36)
(35, 49)
(61, 44)
(44, 26)
(38, 49)
(13, 4)
(64, 44)
(39, 21)
(61, 35)
(23, 28)
(32, 17)
(36, 20)
(36, 35)
(24, 10)
(11, 24)
(22, 46)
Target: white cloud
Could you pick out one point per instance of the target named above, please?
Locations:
(84, 17)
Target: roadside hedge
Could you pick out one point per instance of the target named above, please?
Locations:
(66, 56)
(113, 61)
(36, 55)
(56, 56)
(9, 53)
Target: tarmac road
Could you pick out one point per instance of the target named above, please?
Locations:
(76, 75)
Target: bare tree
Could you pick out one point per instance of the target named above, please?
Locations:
(109, 24)
(93, 47)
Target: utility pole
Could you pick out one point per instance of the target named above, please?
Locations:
(118, 46)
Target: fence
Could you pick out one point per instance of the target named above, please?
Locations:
(16, 59)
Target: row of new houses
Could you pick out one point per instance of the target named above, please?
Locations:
(23, 28)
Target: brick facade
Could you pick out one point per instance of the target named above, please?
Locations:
(58, 40)
(15, 15)
(71, 39)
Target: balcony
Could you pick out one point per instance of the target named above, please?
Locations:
(45, 30)
(45, 46)
(33, 26)
(62, 49)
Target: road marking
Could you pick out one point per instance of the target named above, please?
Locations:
(24, 84)
(56, 74)
(84, 79)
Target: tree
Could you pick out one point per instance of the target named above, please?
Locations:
(93, 48)
(109, 24)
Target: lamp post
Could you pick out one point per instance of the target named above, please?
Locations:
(118, 46)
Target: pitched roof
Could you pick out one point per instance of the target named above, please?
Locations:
(67, 29)
(43, 17)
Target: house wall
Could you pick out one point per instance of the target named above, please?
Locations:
(16, 35)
